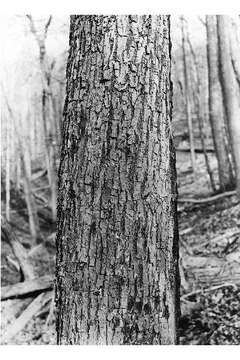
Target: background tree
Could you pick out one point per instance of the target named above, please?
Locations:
(187, 100)
(117, 251)
(196, 90)
(230, 91)
(215, 106)
(50, 125)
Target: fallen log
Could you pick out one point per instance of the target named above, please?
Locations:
(28, 287)
(196, 150)
(26, 316)
(208, 199)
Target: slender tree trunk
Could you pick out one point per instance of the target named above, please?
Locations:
(26, 172)
(199, 112)
(18, 170)
(117, 238)
(50, 155)
(230, 91)
(25, 162)
(47, 117)
(7, 183)
(235, 50)
(215, 106)
(30, 201)
(187, 100)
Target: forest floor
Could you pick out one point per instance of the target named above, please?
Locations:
(209, 266)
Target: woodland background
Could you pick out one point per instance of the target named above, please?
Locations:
(33, 61)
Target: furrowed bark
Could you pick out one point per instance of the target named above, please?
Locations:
(117, 237)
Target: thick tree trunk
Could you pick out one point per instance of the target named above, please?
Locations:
(230, 91)
(215, 107)
(117, 237)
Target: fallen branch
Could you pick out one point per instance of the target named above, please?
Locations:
(26, 316)
(38, 174)
(28, 287)
(42, 188)
(208, 199)
(14, 263)
(18, 250)
(213, 288)
(41, 198)
(185, 231)
(198, 150)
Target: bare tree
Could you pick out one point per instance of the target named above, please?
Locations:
(230, 90)
(49, 124)
(235, 49)
(7, 162)
(117, 238)
(198, 107)
(215, 106)
(24, 157)
(187, 99)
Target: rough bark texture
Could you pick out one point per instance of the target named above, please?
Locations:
(117, 238)
(215, 108)
(230, 91)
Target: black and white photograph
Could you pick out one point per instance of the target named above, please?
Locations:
(120, 178)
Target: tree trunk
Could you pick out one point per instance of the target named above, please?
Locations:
(47, 111)
(30, 201)
(117, 238)
(215, 106)
(7, 183)
(25, 162)
(50, 156)
(187, 100)
(18, 170)
(230, 91)
(235, 49)
(199, 111)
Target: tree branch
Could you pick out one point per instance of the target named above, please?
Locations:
(208, 199)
